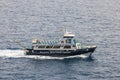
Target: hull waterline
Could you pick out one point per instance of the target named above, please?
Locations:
(61, 53)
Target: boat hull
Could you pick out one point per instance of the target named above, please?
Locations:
(61, 53)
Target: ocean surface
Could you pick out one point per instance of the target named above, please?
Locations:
(94, 22)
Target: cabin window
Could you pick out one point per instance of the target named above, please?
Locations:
(62, 41)
(56, 47)
(49, 46)
(67, 46)
(68, 41)
(41, 46)
(74, 46)
(73, 41)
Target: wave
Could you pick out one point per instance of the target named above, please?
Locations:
(21, 54)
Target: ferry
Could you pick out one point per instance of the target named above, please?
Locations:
(64, 47)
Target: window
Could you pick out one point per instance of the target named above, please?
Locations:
(62, 41)
(74, 46)
(41, 46)
(67, 46)
(57, 46)
(49, 46)
(68, 41)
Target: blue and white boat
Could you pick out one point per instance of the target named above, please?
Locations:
(67, 46)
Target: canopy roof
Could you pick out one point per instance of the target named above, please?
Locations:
(68, 34)
(45, 42)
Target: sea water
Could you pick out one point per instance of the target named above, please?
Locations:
(94, 22)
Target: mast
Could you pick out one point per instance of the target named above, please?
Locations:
(68, 34)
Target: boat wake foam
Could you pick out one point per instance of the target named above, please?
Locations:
(20, 54)
(12, 53)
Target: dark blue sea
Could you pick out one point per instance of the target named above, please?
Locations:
(94, 22)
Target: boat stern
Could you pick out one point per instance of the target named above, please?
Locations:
(27, 51)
